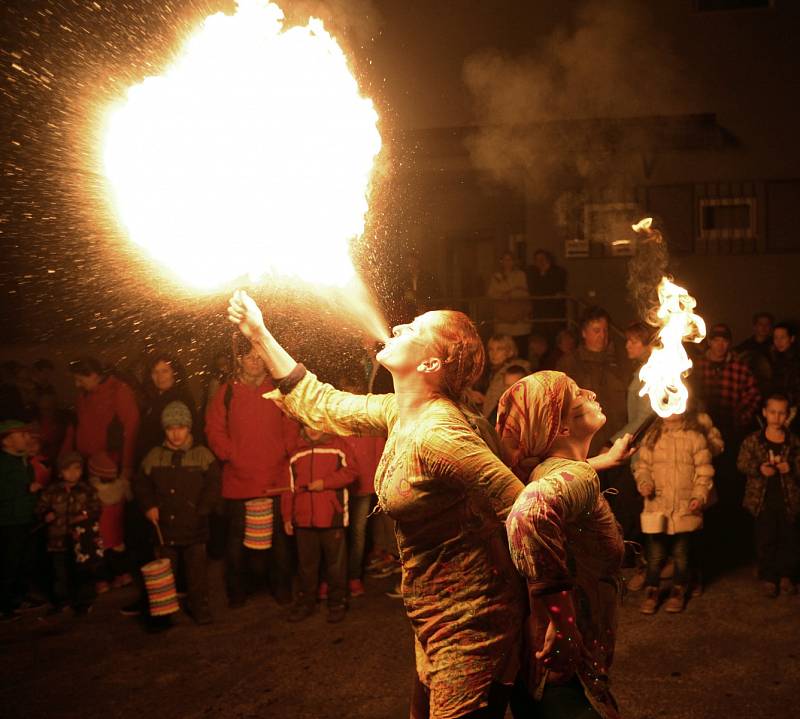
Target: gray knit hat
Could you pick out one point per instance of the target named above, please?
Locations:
(176, 414)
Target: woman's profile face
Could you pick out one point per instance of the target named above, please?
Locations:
(163, 376)
(584, 415)
(409, 344)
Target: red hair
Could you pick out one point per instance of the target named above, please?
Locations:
(456, 341)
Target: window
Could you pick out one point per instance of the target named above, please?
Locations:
(607, 228)
(727, 225)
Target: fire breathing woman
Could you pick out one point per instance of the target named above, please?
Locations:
(448, 494)
(565, 542)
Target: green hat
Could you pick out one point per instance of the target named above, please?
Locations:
(9, 426)
(176, 414)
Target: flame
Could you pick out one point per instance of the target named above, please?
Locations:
(664, 371)
(252, 154)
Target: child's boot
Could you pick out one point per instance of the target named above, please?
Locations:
(336, 613)
(650, 602)
(300, 611)
(676, 601)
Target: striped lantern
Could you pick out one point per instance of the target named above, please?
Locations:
(258, 523)
(160, 584)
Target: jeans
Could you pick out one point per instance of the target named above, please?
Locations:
(242, 563)
(330, 545)
(658, 549)
(72, 584)
(776, 541)
(15, 565)
(194, 562)
(357, 534)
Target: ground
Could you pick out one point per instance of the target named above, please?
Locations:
(732, 654)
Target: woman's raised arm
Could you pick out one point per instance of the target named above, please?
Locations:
(244, 313)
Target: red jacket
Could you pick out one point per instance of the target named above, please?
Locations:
(331, 460)
(102, 413)
(367, 452)
(253, 437)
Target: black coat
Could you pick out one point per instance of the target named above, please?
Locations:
(184, 485)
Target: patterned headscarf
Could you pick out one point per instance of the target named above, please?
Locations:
(528, 419)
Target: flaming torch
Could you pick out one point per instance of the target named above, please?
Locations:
(251, 156)
(664, 372)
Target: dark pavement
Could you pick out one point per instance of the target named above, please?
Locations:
(731, 654)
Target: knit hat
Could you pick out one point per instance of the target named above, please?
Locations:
(101, 465)
(176, 414)
(10, 426)
(69, 458)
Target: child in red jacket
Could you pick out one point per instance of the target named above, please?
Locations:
(316, 512)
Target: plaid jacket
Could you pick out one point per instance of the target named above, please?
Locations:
(730, 392)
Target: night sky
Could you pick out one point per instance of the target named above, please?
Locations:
(66, 269)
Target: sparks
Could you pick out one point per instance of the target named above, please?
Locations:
(252, 154)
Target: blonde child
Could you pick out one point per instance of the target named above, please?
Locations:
(674, 475)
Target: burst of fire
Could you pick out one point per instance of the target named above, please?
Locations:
(668, 365)
(252, 154)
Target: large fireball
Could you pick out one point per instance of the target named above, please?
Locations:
(251, 154)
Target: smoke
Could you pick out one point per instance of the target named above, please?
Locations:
(610, 60)
(645, 270)
(354, 23)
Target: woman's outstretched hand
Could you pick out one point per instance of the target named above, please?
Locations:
(619, 453)
(244, 312)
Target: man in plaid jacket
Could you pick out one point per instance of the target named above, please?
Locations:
(727, 386)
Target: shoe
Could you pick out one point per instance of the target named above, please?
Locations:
(696, 589)
(676, 601)
(336, 614)
(202, 616)
(387, 570)
(237, 601)
(102, 587)
(769, 589)
(650, 602)
(788, 586)
(123, 580)
(377, 560)
(31, 605)
(157, 625)
(322, 591)
(12, 615)
(56, 609)
(134, 609)
(396, 593)
(636, 582)
(356, 588)
(283, 597)
(385, 567)
(300, 612)
(82, 610)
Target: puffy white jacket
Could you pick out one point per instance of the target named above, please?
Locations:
(679, 468)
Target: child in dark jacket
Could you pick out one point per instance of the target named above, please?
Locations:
(316, 512)
(770, 459)
(71, 509)
(177, 486)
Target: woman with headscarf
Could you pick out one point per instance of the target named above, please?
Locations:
(448, 494)
(565, 542)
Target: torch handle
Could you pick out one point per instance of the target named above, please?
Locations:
(641, 430)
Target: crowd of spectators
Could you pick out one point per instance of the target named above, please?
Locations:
(136, 470)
